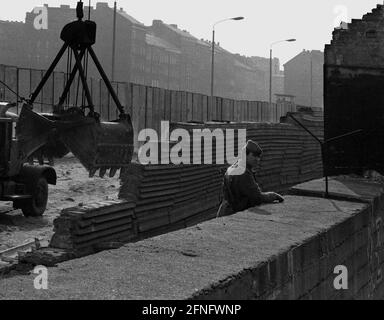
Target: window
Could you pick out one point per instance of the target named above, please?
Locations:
(371, 34)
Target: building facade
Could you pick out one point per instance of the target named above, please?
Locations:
(160, 55)
(304, 78)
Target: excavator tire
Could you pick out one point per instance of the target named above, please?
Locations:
(36, 206)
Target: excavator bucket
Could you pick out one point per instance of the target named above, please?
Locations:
(98, 145)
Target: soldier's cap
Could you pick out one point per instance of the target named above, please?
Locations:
(253, 147)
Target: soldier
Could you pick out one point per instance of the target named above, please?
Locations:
(241, 190)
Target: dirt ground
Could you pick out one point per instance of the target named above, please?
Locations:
(73, 187)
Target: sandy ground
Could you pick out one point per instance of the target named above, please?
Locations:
(73, 187)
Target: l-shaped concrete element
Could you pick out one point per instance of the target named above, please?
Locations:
(281, 251)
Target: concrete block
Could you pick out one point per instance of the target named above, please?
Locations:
(283, 274)
(311, 252)
(362, 277)
(311, 277)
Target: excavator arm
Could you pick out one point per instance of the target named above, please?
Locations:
(98, 145)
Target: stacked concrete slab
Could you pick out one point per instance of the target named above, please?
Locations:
(157, 199)
(80, 228)
(172, 195)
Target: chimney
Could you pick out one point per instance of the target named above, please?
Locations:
(157, 22)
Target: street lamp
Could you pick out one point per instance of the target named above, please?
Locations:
(213, 50)
(270, 68)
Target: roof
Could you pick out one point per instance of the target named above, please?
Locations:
(306, 52)
(158, 42)
(180, 32)
(187, 35)
(242, 65)
(128, 17)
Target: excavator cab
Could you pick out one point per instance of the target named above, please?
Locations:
(98, 145)
(23, 184)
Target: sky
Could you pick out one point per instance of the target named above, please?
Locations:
(309, 21)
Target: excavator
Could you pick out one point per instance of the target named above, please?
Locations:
(100, 146)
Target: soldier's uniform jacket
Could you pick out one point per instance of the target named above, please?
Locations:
(241, 189)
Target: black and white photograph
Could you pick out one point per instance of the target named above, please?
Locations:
(188, 157)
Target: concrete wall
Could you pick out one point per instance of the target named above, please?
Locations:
(307, 270)
(284, 251)
(147, 105)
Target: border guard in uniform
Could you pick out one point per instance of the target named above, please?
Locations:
(241, 190)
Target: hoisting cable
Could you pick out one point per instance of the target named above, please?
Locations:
(22, 99)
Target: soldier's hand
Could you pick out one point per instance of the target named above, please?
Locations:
(279, 198)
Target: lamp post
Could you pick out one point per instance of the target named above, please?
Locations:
(270, 68)
(114, 41)
(213, 51)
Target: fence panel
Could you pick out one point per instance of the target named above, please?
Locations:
(104, 101)
(128, 90)
(212, 109)
(95, 92)
(2, 86)
(121, 94)
(242, 111)
(11, 81)
(73, 96)
(48, 94)
(149, 108)
(156, 109)
(231, 110)
(197, 108)
(252, 109)
(35, 79)
(24, 83)
(205, 107)
(189, 107)
(219, 109)
(138, 111)
(161, 106)
(175, 107)
(167, 105)
(183, 106)
(58, 86)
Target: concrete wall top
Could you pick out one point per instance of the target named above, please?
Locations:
(203, 261)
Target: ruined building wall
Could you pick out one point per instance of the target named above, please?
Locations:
(354, 95)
